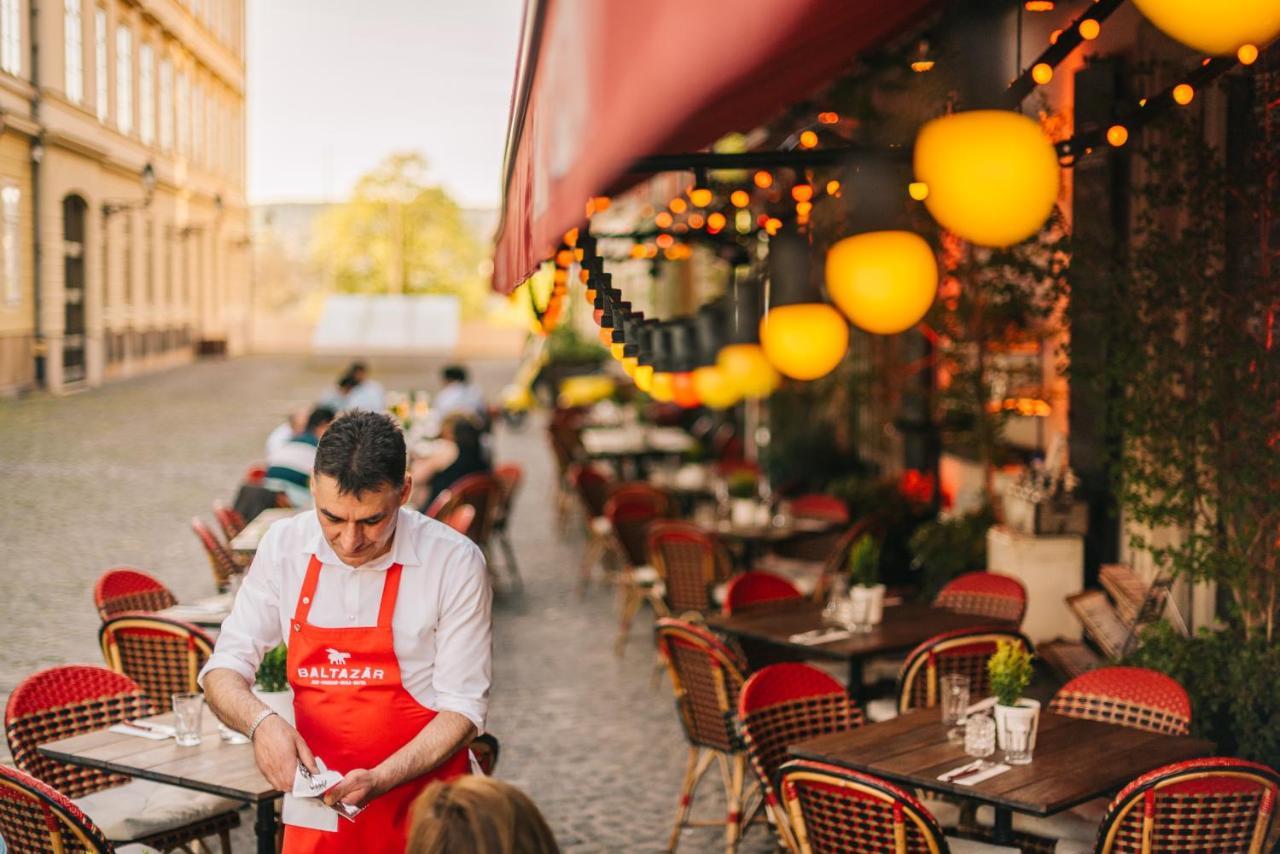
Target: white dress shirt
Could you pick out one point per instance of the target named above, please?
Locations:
(454, 397)
(367, 395)
(442, 622)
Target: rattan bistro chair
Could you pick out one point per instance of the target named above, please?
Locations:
(592, 488)
(707, 677)
(124, 588)
(461, 518)
(1130, 696)
(163, 656)
(510, 476)
(758, 590)
(1222, 805)
(222, 562)
(784, 704)
(690, 563)
(985, 594)
(631, 509)
(963, 651)
(61, 702)
(229, 520)
(36, 818)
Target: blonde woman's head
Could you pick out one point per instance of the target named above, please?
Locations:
(477, 814)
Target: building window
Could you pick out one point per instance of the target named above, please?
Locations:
(11, 36)
(11, 268)
(127, 285)
(73, 48)
(146, 94)
(149, 259)
(197, 123)
(100, 61)
(124, 80)
(184, 114)
(166, 104)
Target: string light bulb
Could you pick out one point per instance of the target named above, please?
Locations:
(678, 205)
(1183, 94)
(740, 198)
(802, 192)
(1038, 5)
(833, 187)
(1247, 54)
(918, 190)
(663, 220)
(1042, 72)
(828, 118)
(808, 139)
(1117, 135)
(700, 196)
(1090, 29)
(697, 220)
(716, 221)
(763, 179)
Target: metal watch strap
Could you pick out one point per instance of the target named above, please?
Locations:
(262, 716)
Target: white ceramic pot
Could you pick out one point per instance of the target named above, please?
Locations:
(875, 603)
(280, 702)
(743, 513)
(1024, 717)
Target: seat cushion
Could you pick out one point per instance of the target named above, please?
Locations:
(141, 808)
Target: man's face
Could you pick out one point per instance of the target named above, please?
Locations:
(359, 528)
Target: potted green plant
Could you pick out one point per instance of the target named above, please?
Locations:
(1009, 671)
(743, 489)
(866, 591)
(272, 683)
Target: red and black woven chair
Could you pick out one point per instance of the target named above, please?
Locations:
(759, 590)
(124, 588)
(1129, 696)
(833, 809)
(61, 702)
(163, 656)
(631, 509)
(228, 519)
(985, 594)
(836, 560)
(963, 651)
(784, 704)
(819, 505)
(461, 518)
(707, 678)
(1222, 805)
(222, 561)
(690, 563)
(510, 476)
(37, 819)
(593, 488)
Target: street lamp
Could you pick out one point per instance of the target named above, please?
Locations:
(148, 177)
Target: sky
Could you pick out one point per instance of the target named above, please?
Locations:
(336, 85)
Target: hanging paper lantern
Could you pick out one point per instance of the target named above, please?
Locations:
(1215, 26)
(684, 394)
(662, 387)
(644, 378)
(992, 175)
(749, 370)
(804, 341)
(714, 388)
(883, 281)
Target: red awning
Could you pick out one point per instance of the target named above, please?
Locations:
(601, 83)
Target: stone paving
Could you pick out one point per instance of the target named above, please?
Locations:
(113, 476)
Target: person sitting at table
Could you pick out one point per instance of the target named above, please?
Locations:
(294, 423)
(338, 398)
(366, 393)
(480, 815)
(458, 395)
(387, 616)
(457, 453)
(289, 468)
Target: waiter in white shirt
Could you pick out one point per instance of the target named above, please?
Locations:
(386, 614)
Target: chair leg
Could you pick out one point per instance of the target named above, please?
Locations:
(224, 839)
(631, 602)
(509, 559)
(733, 769)
(594, 552)
(699, 761)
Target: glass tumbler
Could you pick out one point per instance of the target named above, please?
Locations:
(979, 737)
(954, 688)
(186, 713)
(1018, 744)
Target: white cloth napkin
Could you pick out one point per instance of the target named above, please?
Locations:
(126, 729)
(817, 636)
(986, 774)
(303, 806)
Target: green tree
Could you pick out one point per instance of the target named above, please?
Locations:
(398, 233)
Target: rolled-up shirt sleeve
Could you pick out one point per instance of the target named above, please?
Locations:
(254, 625)
(464, 641)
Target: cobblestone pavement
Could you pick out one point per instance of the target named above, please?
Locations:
(113, 476)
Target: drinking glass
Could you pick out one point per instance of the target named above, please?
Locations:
(980, 738)
(231, 736)
(1018, 744)
(186, 713)
(955, 699)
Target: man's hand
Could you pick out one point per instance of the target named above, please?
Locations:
(278, 748)
(357, 787)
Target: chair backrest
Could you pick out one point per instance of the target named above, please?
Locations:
(818, 505)
(963, 651)
(163, 656)
(690, 562)
(461, 518)
(630, 510)
(35, 818)
(1221, 805)
(783, 704)
(124, 588)
(984, 594)
(836, 561)
(707, 677)
(757, 590)
(593, 489)
(221, 562)
(484, 493)
(228, 519)
(63, 701)
(510, 476)
(440, 505)
(1129, 696)
(835, 809)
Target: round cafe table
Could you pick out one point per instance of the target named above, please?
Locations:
(753, 538)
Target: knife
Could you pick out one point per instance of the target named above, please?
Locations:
(962, 771)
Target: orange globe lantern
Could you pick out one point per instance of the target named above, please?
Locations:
(1220, 27)
(715, 389)
(749, 370)
(883, 281)
(804, 341)
(684, 394)
(662, 387)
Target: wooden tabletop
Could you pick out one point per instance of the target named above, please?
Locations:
(636, 440)
(213, 766)
(770, 533)
(247, 540)
(904, 627)
(208, 612)
(1074, 760)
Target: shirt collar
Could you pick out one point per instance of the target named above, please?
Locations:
(403, 550)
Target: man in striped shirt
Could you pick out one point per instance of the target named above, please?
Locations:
(289, 468)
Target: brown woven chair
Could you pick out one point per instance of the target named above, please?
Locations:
(222, 561)
(631, 509)
(229, 520)
(690, 563)
(784, 704)
(593, 489)
(707, 677)
(963, 651)
(461, 518)
(124, 588)
(510, 476)
(163, 656)
(61, 702)
(985, 594)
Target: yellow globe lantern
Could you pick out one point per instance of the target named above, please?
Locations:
(1220, 27)
(715, 388)
(749, 370)
(883, 281)
(992, 175)
(644, 378)
(662, 387)
(805, 340)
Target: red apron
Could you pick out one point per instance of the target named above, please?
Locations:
(354, 712)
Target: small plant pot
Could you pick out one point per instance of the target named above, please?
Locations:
(1011, 723)
(743, 513)
(874, 597)
(280, 702)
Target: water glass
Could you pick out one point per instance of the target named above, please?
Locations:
(186, 713)
(231, 736)
(955, 698)
(1018, 744)
(979, 736)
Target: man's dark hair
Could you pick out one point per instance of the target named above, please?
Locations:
(455, 374)
(319, 417)
(347, 381)
(362, 450)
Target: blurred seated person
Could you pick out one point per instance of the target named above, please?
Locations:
(338, 397)
(289, 469)
(366, 393)
(459, 395)
(292, 425)
(479, 815)
(457, 453)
